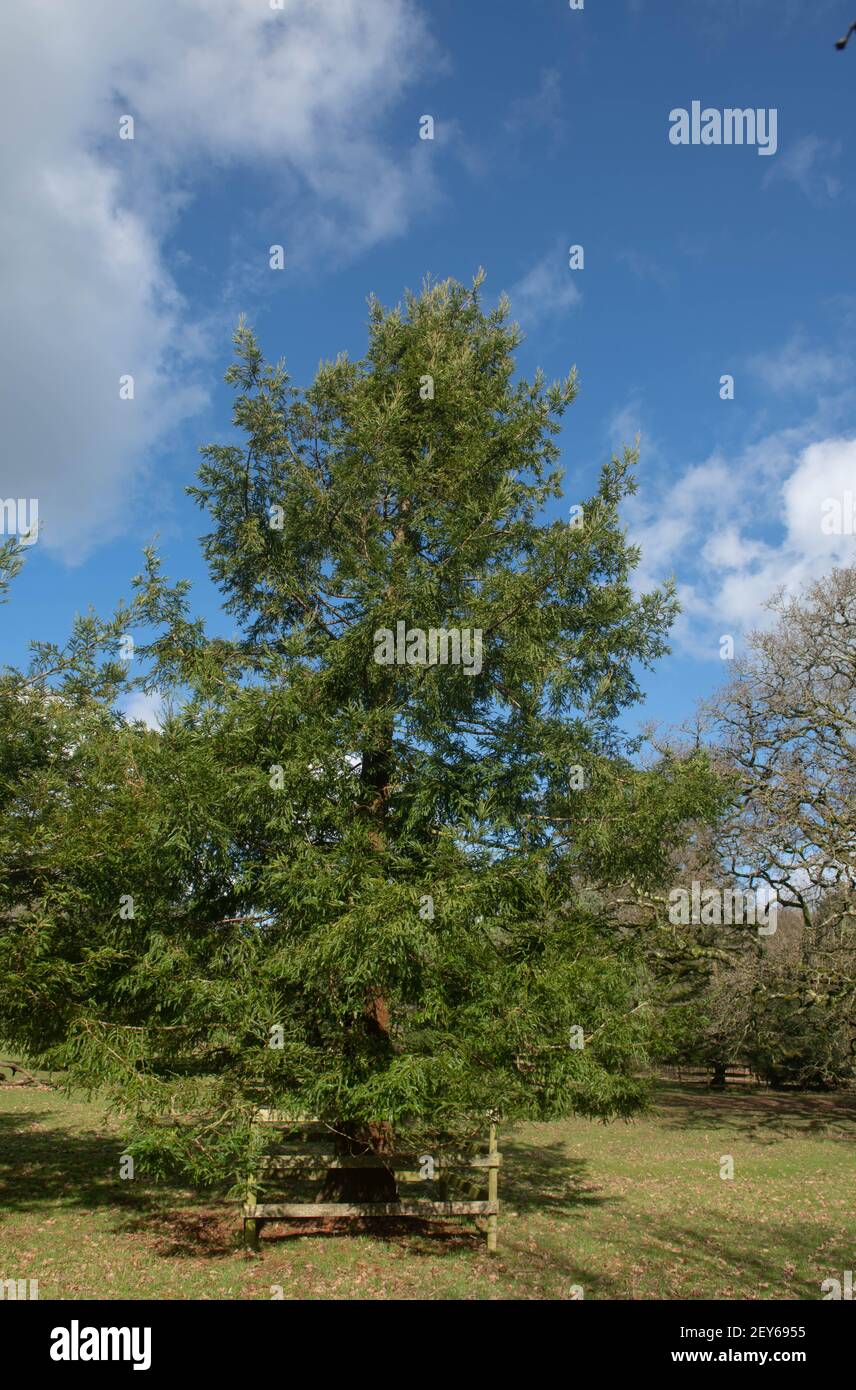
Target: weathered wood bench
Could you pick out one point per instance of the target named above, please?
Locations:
(736, 1074)
(307, 1153)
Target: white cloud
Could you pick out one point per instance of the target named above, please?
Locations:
(86, 288)
(547, 289)
(826, 471)
(145, 708)
(802, 163)
(799, 367)
(674, 522)
(735, 530)
(743, 522)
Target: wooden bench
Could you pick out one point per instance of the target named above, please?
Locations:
(739, 1073)
(307, 1153)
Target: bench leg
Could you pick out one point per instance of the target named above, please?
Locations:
(251, 1225)
(492, 1223)
(493, 1195)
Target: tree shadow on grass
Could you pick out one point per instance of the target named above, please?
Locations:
(42, 1164)
(212, 1233)
(762, 1116)
(186, 1234)
(755, 1256)
(714, 1264)
(542, 1177)
(411, 1234)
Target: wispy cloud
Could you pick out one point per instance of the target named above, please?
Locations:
(540, 112)
(646, 268)
(626, 425)
(806, 163)
(799, 367)
(547, 289)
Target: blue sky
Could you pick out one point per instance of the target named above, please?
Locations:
(300, 127)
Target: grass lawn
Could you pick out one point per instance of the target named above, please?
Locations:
(634, 1210)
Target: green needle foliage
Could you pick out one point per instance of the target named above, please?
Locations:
(11, 560)
(371, 893)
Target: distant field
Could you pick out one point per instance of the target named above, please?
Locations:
(632, 1210)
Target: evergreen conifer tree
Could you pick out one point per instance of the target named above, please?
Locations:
(348, 878)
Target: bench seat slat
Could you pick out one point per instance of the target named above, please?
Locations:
(270, 1211)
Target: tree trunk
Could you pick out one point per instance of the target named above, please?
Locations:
(361, 1184)
(373, 1184)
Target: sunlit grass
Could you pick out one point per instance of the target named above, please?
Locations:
(634, 1210)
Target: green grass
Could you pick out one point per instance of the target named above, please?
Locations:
(633, 1210)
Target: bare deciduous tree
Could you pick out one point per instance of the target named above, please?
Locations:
(786, 724)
